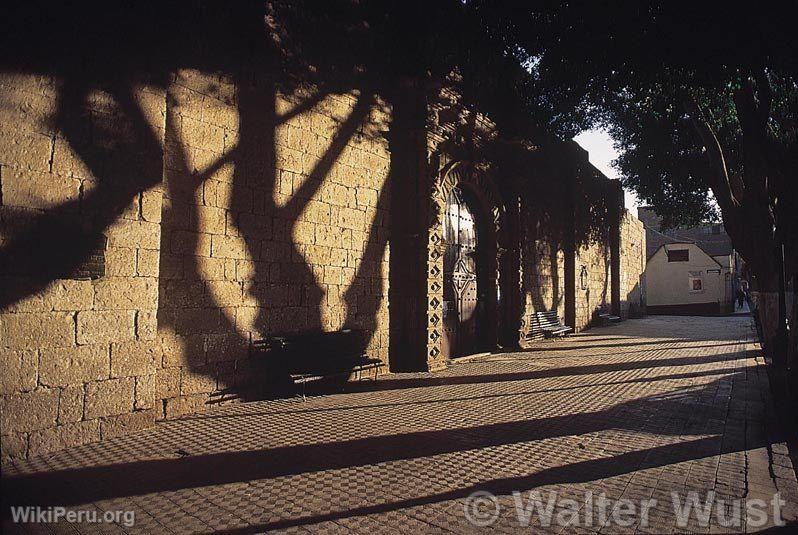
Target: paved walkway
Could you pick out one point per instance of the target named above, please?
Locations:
(634, 411)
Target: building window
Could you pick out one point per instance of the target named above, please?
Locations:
(678, 255)
(695, 281)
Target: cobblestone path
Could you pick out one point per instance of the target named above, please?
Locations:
(635, 412)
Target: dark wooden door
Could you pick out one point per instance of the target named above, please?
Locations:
(460, 268)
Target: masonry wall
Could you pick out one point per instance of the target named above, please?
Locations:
(256, 218)
(290, 236)
(219, 213)
(593, 285)
(542, 274)
(78, 356)
(633, 266)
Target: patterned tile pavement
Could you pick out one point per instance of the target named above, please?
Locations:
(635, 412)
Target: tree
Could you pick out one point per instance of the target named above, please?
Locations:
(701, 98)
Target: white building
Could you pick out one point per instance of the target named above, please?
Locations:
(691, 271)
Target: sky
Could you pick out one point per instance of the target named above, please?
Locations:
(598, 144)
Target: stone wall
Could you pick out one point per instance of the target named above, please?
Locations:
(633, 266)
(543, 275)
(79, 355)
(257, 217)
(291, 236)
(593, 292)
(150, 235)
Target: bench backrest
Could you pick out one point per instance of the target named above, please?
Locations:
(312, 351)
(539, 321)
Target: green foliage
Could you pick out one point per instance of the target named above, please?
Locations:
(629, 66)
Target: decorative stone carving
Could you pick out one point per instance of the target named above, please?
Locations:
(476, 178)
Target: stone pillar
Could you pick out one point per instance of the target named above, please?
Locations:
(510, 280)
(614, 211)
(569, 248)
(410, 190)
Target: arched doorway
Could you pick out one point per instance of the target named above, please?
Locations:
(464, 281)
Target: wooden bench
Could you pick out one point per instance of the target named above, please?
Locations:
(547, 325)
(310, 357)
(603, 316)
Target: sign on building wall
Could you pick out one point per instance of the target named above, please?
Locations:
(695, 281)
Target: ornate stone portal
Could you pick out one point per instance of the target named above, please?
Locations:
(462, 178)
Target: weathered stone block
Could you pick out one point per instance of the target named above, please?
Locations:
(64, 436)
(134, 358)
(22, 331)
(131, 211)
(183, 350)
(110, 398)
(120, 262)
(72, 295)
(226, 293)
(126, 423)
(140, 234)
(184, 405)
(126, 293)
(151, 205)
(29, 411)
(152, 103)
(167, 383)
(145, 392)
(26, 150)
(146, 324)
(197, 381)
(38, 302)
(73, 365)
(147, 263)
(31, 189)
(70, 405)
(67, 163)
(332, 275)
(226, 347)
(212, 269)
(228, 247)
(190, 243)
(210, 219)
(19, 369)
(352, 219)
(328, 236)
(305, 232)
(96, 327)
(288, 159)
(13, 446)
(246, 316)
(202, 135)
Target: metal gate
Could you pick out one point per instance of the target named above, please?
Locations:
(461, 285)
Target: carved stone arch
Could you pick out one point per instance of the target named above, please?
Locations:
(478, 180)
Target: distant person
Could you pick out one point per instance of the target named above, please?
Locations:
(742, 293)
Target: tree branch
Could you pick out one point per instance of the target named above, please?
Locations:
(720, 181)
(764, 94)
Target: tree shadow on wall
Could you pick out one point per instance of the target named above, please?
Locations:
(124, 156)
(540, 250)
(264, 48)
(251, 277)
